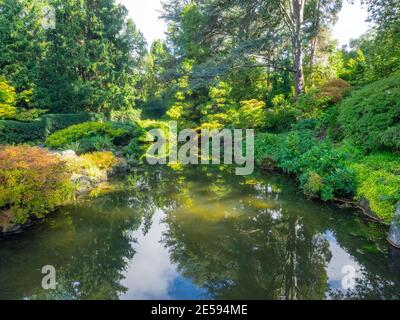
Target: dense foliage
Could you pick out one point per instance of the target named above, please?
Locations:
(371, 116)
(378, 181)
(70, 56)
(94, 132)
(320, 168)
(269, 65)
(33, 182)
(15, 132)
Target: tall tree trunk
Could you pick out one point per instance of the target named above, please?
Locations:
(298, 19)
(315, 40)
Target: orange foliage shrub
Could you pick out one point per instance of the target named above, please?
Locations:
(335, 90)
(32, 182)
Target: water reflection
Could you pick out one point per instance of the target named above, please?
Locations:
(201, 233)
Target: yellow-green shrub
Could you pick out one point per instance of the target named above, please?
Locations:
(32, 182)
(103, 160)
(378, 181)
(7, 101)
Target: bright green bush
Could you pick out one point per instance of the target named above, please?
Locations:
(249, 114)
(378, 181)
(28, 115)
(103, 160)
(125, 115)
(85, 130)
(371, 116)
(321, 169)
(306, 124)
(32, 182)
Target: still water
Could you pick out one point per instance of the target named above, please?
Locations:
(202, 233)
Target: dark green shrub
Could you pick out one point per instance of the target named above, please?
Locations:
(306, 124)
(371, 116)
(329, 164)
(292, 148)
(91, 144)
(281, 116)
(134, 150)
(321, 169)
(56, 122)
(15, 132)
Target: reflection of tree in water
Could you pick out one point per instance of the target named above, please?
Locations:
(236, 237)
(369, 286)
(277, 247)
(101, 247)
(257, 254)
(96, 258)
(93, 256)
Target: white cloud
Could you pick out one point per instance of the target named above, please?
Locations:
(151, 272)
(145, 13)
(352, 23)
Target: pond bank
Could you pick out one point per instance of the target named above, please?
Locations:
(83, 179)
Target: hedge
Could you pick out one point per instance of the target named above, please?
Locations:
(15, 132)
(56, 122)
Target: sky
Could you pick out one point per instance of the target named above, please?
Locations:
(146, 14)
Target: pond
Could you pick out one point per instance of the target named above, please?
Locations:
(202, 233)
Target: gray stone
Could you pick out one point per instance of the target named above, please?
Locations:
(68, 154)
(364, 205)
(83, 183)
(16, 228)
(394, 233)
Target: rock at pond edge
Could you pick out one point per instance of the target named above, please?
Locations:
(394, 233)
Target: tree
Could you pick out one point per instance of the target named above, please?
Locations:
(252, 34)
(376, 54)
(93, 58)
(22, 43)
(7, 101)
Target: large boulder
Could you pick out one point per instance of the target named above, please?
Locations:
(394, 233)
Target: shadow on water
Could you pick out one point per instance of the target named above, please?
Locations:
(197, 233)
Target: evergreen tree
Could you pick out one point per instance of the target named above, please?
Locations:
(93, 58)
